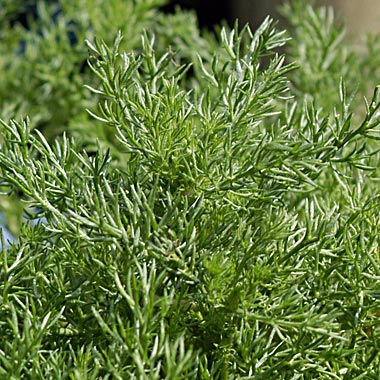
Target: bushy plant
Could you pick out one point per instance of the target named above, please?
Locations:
(210, 210)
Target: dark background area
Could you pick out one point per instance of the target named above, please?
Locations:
(210, 12)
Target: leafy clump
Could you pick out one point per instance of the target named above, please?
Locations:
(216, 218)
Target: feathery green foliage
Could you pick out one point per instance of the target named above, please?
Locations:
(212, 215)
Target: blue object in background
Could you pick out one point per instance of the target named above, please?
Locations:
(8, 237)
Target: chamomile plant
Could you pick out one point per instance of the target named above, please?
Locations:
(210, 209)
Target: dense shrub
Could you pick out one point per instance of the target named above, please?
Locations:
(204, 207)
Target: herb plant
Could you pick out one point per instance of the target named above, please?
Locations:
(210, 209)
